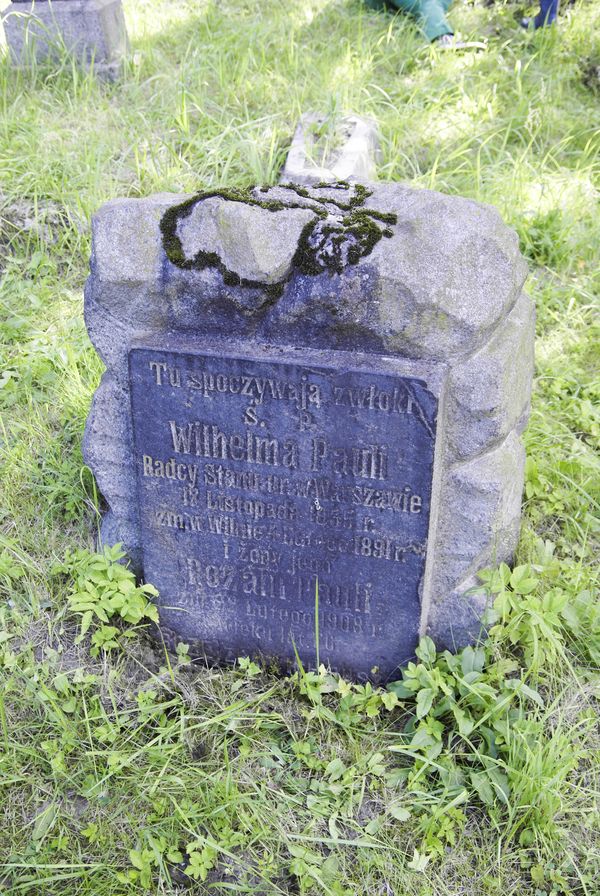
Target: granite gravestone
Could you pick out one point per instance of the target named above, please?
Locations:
(310, 385)
(92, 30)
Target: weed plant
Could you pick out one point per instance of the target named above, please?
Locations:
(124, 770)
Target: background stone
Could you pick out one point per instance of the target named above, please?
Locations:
(92, 30)
(328, 149)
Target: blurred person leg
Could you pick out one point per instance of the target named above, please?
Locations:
(430, 14)
(546, 16)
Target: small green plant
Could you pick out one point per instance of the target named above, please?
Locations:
(143, 861)
(250, 669)
(10, 569)
(201, 859)
(103, 590)
(525, 619)
(460, 727)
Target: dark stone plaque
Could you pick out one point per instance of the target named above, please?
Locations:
(258, 477)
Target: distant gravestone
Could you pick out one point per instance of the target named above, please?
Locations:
(305, 385)
(92, 30)
(330, 148)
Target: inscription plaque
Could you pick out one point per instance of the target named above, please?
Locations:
(256, 478)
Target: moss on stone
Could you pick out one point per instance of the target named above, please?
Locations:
(168, 228)
(323, 245)
(299, 190)
(334, 185)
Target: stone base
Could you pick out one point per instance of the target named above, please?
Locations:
(91, 30)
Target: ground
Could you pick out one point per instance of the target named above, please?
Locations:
(122, 769)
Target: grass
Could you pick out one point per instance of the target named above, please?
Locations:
(130, 772)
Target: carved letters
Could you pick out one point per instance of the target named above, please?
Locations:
(257, 478)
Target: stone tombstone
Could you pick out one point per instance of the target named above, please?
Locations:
(310, 385)
(92, 30)
(329, 148)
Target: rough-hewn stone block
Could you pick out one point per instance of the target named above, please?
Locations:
(489, 393)
(402, 310)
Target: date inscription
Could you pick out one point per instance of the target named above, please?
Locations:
(258, 479)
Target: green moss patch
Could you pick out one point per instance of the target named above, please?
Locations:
(344, 231)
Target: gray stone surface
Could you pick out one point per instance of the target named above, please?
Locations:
(92, 30)
(447, 254)
(480, 509)
(107, 447)
(458, 619)
(489, 393)
(421, 292)
(441, 284)
(253, 245)
(324, 150)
